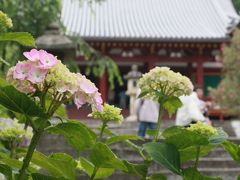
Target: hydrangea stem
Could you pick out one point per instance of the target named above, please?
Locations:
(29, 154)
(102, 130)
(94, 173)
(196, 161)
(197, 157)
(160, 115)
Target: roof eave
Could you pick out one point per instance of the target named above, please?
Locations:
(171, 40)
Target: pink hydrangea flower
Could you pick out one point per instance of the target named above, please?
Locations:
(21, 70)
(97, 98)
(99, 107)
(33, 55)
(46, 60)
(98, 102)
(37, 75)
(79, 99)
(87, 86)
(25, 87)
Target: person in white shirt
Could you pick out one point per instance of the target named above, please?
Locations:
(192, 110)
(147, 111)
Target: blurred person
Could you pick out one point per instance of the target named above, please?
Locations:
(147, 112)
(193, 109)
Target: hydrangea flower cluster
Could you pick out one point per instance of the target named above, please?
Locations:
(109, 113)
(11, 130)
(5, 22)
(165, 81)
(42, 71)
(203, 129)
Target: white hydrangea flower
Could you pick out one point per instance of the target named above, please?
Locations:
(165, 81)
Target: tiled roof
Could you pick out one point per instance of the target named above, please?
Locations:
(150, 20)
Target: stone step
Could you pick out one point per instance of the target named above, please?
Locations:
(52, 143)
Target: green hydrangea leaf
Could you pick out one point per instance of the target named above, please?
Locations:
(165, 154)
(19, 102)
(171, 104)
(58, 164)
(88, 168)
(190, 153)
(192, 173)
(121, 138)
(233, 150)
(183, 138)
(102, 156)
(22, 38)
(136, 169)
(78, 135)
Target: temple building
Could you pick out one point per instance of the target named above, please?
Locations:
(185, 35)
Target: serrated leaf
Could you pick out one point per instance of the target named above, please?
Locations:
(121, 138)
(233, 150)
(78, 135)
(165, 154)
(183, 138)
(171, 104)
(190, 153)
(58, 164)
(102, 156)
(140, 170)
(88, 168)
(19, 102)
(192, 173)
(22, 38)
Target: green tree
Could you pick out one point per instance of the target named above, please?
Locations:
(227, 93)
(29, 16)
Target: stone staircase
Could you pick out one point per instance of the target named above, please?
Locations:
(216, 163)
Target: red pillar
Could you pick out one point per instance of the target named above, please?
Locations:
(103, 88)
(200, 72)
(151, 63)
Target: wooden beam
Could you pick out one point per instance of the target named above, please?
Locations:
(103, 87)
(155, 58)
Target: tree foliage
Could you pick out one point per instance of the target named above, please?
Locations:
(27, 15)
(31, 16)
(227, 93)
